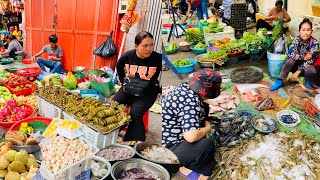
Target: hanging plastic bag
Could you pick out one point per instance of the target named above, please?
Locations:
(106, 49)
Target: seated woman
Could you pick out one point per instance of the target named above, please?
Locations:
(185, 125)
(274, 14)
(302, 54)
(141, 65)
(13, 47)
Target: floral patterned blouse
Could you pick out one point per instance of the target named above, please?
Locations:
(298, 48)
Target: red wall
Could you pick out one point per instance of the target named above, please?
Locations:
(82, 25)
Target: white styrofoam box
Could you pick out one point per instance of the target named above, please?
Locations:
(218, 36)
(69, 172)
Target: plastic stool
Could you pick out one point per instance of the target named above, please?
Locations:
(145, 119)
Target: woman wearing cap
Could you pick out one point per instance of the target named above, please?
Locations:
(184, 124)
(302, 55)
(274, 14)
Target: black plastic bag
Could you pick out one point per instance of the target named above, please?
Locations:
(106, 49)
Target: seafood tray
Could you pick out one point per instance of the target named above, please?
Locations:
(116, 152)
(288, 118)
(264, 123)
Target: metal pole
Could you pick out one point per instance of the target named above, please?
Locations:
(285, 5)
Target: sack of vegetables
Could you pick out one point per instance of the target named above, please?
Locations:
(184, 65)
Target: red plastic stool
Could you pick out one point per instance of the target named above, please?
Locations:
(145, 119)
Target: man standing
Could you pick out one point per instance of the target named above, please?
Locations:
(54, 56)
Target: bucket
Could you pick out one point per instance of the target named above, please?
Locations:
(275, 63)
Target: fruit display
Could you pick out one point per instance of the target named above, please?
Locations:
(172, 46)
(86, 109)
(51, 129)
(20, 139)
(22, 87)
(12, 79)
(30, 100)
(61, 152)
(181, 62)
(5, 94)
(25, 128)
(5, 147)
(70, 125)
(12, 111)
(18, 165)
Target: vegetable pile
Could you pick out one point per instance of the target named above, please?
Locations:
(181, 62)
(200, 45)
(194, 37)
(12, 111)
(70, 82)
(214, 27)
(218, 57)
(171, 47)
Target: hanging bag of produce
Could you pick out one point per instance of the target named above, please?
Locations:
(105, 88)
(106, 49)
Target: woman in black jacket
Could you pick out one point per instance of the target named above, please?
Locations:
(142, 66)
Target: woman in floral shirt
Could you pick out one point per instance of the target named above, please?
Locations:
(302, 55)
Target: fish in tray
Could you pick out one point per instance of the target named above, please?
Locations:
(266, 103)
(226, 101)
(245, 75)
(264, 123)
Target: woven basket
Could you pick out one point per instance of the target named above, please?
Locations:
(185, 48)
(298, 99)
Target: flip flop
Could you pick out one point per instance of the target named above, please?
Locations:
(191, 176)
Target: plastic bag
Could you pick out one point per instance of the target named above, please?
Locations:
(70, 82)
(106, 49)
(280, 46)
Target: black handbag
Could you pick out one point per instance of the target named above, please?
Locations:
(135, 86)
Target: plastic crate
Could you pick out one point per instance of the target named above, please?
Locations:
(23, 92)
(311, 109)
(98, 139)
(218, 36)
(47, 109)
(93, 136)
(77, 171)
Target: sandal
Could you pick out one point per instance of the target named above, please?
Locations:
(165, 68)
(191, 176)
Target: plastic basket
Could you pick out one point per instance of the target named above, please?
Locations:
(218, 36)
(311, 109)
(30, 73)
(198, 51)
(75, 171)
(47, 109)
(16, 126)
(171, 51)
(186, 69)
(8, 125)
(275, 64)
(21, 92)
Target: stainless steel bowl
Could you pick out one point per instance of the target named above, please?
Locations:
(204, 64)
(120, 146)
(101, 159)
(79, 68)
(153, 168)
(272, 123)
(30, 149)
(171, 167)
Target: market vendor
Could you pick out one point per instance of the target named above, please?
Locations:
(202, 9)
(54, 56)
(184, 124)
(139, 70)
(302, 55)
(186, 7)
(274, 14)
(13, 47)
